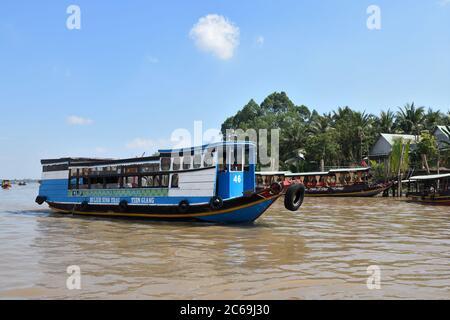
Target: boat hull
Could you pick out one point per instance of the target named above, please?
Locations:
(353, 191)
(237, 210)
(437, 200)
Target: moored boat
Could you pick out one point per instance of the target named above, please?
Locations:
(429, 189)
(6, 184)
(213, 183)
(346, 182)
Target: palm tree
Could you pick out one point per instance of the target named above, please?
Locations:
(433, 119)
(411, 119)
(386, 122)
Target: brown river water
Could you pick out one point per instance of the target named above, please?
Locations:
(320, 252)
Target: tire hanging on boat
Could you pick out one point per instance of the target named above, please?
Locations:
(84, 206)
(183, 206)
(123, 206)
(216, 203)
(276, 188)
(294, 196)
(40, 200)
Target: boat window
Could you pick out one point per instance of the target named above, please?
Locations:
(247, 158)
(221, 159)
(208, 159)
(236, 158)
(174, 182)
(176, 165)
(83, 182)
(186, 162)
(165, 180)
(197, 161)
(165, 164)
(73, 179)
(147, 181)
(157, 181)
(96, 183)
(131, 169)
(131, 182)
(112, 182)
(152, 167)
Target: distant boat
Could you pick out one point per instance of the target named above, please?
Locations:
(6, 184)
(346, 182)
(22, 183)
(429, 189)
(178, 184)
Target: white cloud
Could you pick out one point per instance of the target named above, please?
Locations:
(216, 34)
(260, 40)
(79, 121)
(444, 3)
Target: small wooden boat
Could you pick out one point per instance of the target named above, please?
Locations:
(429, 189)
(6, 184)
(213, 183)
(347, 182)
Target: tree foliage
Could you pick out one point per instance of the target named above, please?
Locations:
(342, 137)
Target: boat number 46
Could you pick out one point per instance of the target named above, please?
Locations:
(237, 179)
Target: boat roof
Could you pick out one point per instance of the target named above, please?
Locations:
(95, 161)
(431, 177)
(307, 174)
(272, 173)
(349, 169)
(206, 146)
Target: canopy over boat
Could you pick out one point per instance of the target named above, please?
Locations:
(430, 177)
(273, 173)
(349, 170)
(303, 174)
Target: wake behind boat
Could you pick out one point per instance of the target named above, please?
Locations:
(213, 183)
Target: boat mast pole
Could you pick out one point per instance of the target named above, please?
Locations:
(399, 178)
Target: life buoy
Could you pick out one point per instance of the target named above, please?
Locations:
(216, 202)
(84, 206)
(183, 206)
(294, 196)
(123, 205)
(40, 200)
(276, 188)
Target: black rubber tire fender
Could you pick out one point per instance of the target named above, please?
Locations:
(216, 203)
(40, 200)
(294, 197)
(183, 206)
(123, 206)
(276, 188)
(84, 205)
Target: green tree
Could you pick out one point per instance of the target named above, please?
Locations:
(411, 119)
(427, 149)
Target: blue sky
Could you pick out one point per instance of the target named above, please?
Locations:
(137, 70)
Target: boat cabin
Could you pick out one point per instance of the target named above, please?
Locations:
(196, 174)
(429, 184)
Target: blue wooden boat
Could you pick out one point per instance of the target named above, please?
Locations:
(213, 183)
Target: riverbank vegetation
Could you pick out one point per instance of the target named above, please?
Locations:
(341, 137)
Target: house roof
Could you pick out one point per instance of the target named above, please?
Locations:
(390, 137)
